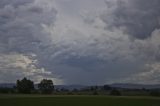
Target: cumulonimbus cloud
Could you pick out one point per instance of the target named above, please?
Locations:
(22, 33)
(139, 18)
(89, 45)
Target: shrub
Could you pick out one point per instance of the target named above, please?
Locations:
(115, 92)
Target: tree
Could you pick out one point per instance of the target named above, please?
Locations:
(155, 93)
(46, 86)
(25, 86)
(94, 88)
(115, 92)
(95, 92)
(106, 87)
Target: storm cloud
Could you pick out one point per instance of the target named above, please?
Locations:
(139, 18)
(22, 34)
(80, 42)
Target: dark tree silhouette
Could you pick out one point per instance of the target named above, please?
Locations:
(46, 86)
(155, 93)
(106, 87)
(115, 92)
(25, 86)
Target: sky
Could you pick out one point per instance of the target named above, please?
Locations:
(80, 41)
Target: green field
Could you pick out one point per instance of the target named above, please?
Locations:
(34, 100)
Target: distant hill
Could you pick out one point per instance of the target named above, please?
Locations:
(7, 85)
(71, 87)
(135, 86)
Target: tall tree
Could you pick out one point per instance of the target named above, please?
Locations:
(25, 86)
(106, 87)
(46, 86)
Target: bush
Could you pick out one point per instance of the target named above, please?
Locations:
(95, 93)
(7, 90)
(155, 93)
(115, 92)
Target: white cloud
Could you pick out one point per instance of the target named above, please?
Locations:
(15, 66)
(149, 75)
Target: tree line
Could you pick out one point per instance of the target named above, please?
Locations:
(26, 86)
(46, 86)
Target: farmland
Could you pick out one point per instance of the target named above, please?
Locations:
(49, 100)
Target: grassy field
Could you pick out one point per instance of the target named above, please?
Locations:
(35, 100)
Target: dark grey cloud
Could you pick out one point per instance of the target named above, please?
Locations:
(14, 3)
(22, 27)
(139, 18)
(71, 43)
(23, 34)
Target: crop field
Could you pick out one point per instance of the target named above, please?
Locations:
(42, 100)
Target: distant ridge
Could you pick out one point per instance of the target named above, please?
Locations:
(7, 85)
(135, 86)
(71, 87)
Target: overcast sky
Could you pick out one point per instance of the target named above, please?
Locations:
(80, 41)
